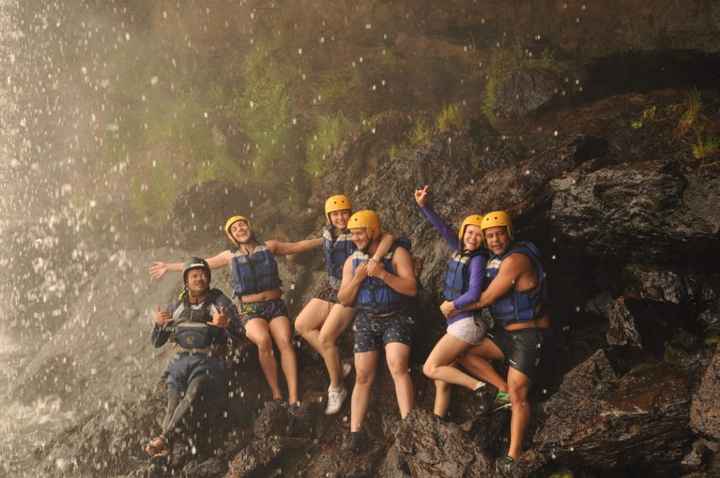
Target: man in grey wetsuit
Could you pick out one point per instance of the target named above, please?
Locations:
(198, 324)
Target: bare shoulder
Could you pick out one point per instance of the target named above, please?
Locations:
(402, 254)
(518, 262)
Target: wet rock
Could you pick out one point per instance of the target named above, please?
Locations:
(705, 409)
(600, 418)
(394, 465)
(436, 449)
(645, 324)
(525, 91)
(637, 208)
(623, 329)
(657, 285)
(262, 456)
(272, 420)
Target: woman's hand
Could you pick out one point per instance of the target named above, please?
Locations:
(158, 269)
(447, 308)
(421, 196)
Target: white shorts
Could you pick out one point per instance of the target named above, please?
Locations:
(468, 330)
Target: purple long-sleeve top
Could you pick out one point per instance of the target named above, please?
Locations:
(476, 270)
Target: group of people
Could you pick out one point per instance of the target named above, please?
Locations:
(494, 293)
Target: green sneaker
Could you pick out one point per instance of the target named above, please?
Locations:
(502, 401)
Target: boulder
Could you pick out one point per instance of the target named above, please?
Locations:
(601, 417)
(705, 409)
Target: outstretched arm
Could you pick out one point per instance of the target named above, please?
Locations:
(158, 268)
(285, 248)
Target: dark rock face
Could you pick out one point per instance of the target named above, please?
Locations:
(636, 208)
(602, 419)
(434, 449)
(705, 410)
(525, 91)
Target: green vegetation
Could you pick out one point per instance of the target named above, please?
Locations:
(329, 133)
(503, 62)
(647, 115)
(694, 123)
(421, 133)
(451, 117)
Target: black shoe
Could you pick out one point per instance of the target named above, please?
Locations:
(504, 466)
(358, 442)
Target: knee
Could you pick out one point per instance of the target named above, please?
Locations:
(364, 377)
(518, 395)
(284, 345)
(301, 326)
(429, 369)
(397, 368)
(326, 340)
(264, 344)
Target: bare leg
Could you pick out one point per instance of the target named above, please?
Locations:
(476, 362)
(398, 356)
(443, 391)
(337, 321)
(280, 331)
(518, 385)
(438, 364)
(365, 368)
(311, 320)
(258, 331)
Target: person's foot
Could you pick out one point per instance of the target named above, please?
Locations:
(157, 447)
(478, 392)
(346, 369)
(504, 466)
(502, 401)
(336, 398)
(296, 409)
(358, 442)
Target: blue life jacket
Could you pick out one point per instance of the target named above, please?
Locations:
(374, 295)
(253, 273)
(190, 324)
(457, 277)
(336, 251)
(518, 306)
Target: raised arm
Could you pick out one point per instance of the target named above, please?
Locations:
(350, 284)
(427, 211)
(159, 268)
(285, 248)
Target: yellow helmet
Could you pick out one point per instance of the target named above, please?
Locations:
(497, 219)
(366, 219)
(471, 220)
(339, 202)
(230, 222)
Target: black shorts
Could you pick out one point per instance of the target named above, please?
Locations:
(372, 333)
(327, 293)
(268, 310)
(523, 349)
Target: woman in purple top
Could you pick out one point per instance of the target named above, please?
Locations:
(463, 285)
